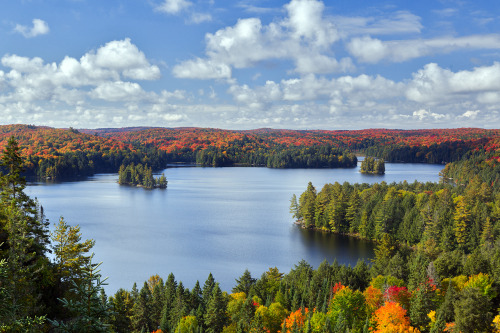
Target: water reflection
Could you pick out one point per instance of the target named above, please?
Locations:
(346, 250)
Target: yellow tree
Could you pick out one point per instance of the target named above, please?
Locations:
(269, 319)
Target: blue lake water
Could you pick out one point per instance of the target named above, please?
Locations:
(219, 220)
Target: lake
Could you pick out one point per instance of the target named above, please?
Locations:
(219, 220)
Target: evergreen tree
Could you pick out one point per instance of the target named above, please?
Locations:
(141, 311)
(24, 240)
(473, 311)
(69, 251)
(294, 207)
(352, 212)
(215, 316)
(207, 289)
(166, 314)
(421, 304)
(196, 299)
(307, 203)
(89, 313)
(462, 220)
(121, 306)
(244, 283)
(180, 306)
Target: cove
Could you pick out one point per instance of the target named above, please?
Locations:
(218, 220)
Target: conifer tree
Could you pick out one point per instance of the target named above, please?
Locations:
(307, 203)
(244, 283)
(141, 311)
(166, 314)
(23, 239)
(89, 313)
(121, 306)
(215, 315)
(69, 251)
(207, 289)
(462, 220)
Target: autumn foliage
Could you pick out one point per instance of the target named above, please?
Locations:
(392, 318)
(62, 153)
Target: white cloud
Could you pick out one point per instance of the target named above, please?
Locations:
(305, 20)
(105, 75)
(39, 27)
(32, 79)
(343, 91)
(124, 56)
(470, 114)
(173, 6)
(426, 114)
(433, 84)
(118, 91)
(373, 50)
(202, 69)
(305, 36)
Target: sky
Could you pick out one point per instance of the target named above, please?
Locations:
(245, 64)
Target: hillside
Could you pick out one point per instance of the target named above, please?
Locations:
(63, 153)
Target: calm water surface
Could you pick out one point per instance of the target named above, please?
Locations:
(219, 220)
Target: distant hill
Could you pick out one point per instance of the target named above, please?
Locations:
(59, 153)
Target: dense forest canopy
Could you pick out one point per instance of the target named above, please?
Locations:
(436, 265)
(52, 153)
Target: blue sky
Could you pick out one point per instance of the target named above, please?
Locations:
(299, 64)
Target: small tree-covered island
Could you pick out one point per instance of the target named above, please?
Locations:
(139, 175)
(436, 266)
(371, 165)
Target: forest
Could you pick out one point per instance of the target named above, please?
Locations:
(436, 265)
(62, 154)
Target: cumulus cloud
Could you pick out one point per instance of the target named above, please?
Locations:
(202, 69)
(470, 114)
(433, 84)
(39, 27)
(304, 36)
(101, 88)
(117, 91)
(305, 21)
(173, 6)
(31, 79)
(426, 114)
(372, 50)
(341, 92)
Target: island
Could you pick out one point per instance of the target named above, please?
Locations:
(140, 175)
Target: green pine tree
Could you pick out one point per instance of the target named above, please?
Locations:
(215, 317)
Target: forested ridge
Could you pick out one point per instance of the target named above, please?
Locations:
(60, 154)
(51, 153)
(436, 265)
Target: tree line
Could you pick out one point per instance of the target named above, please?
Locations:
(59, 154)
(278, 157)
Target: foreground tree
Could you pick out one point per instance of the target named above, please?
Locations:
(23, 243)
(70, 251)
(89, 312)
